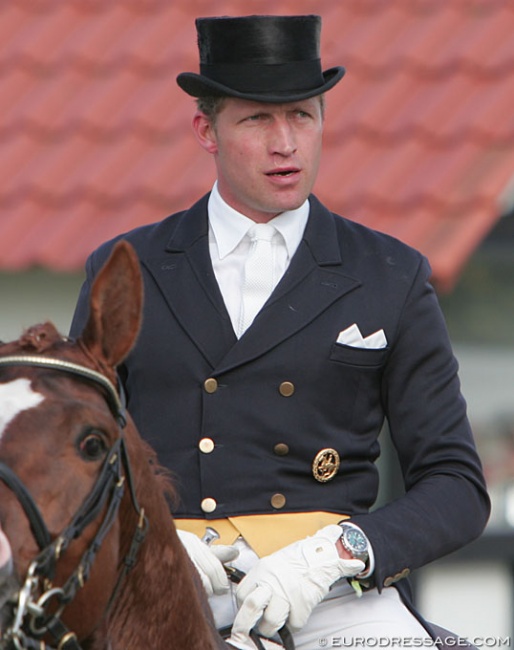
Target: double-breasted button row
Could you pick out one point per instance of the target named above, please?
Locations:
(286, 388)
(206, 445)
(397, 576)
(209, 505)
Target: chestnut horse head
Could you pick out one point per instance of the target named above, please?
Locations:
(89, 556)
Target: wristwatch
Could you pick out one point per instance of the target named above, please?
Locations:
(355, 542)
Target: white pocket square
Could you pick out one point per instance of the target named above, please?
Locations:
(352, 336)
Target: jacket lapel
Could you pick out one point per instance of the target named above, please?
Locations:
(313, 281)
(186, 278)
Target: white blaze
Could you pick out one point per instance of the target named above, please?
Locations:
(6, 564)
(16, 396)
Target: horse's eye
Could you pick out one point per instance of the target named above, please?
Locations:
(92, 446)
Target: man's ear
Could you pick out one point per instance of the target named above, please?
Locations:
(205, 132)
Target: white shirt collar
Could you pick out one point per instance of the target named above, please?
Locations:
(230, 226)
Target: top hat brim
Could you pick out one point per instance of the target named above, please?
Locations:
(198, 85)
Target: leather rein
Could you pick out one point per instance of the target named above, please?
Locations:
(32, 620)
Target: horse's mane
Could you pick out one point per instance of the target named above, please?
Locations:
(162, 477)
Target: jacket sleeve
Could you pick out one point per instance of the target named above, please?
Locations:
(445, 504)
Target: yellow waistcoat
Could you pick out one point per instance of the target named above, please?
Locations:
(264, 533)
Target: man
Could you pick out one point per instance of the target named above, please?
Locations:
(265, 368)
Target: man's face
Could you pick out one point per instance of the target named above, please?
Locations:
(267, 155)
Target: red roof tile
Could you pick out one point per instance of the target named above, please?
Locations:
(96, 138)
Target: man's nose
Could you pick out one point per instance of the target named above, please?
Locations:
(283, 139)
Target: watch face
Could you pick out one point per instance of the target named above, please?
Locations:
(356, 540)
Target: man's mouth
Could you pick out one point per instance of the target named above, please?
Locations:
(283, 172)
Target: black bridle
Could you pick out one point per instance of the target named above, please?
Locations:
(32, 621)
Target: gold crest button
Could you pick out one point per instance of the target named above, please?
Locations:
(325, 465)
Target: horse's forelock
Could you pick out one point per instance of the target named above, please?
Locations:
(39, 338)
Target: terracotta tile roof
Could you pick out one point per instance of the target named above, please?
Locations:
(95, 135)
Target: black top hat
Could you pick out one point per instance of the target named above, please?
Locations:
(262, 58)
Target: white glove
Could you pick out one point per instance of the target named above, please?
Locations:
(286, 585)
(248, 644)
(208, 561)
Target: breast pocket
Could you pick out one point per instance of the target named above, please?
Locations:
(358, 357)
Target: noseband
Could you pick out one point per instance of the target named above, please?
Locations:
(32, 622)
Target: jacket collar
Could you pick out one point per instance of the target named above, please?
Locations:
(320, 233)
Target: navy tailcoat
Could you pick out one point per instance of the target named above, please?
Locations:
(338, 396)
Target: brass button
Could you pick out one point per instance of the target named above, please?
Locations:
(281, 449)
(208, 505)
(278, 501)
(210, 385)
(206, 445)
(397, 576)
(286, 388)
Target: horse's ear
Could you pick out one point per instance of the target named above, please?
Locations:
(116, 302)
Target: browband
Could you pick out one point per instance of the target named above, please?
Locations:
(72, 368)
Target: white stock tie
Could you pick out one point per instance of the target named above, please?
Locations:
(258, 274)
